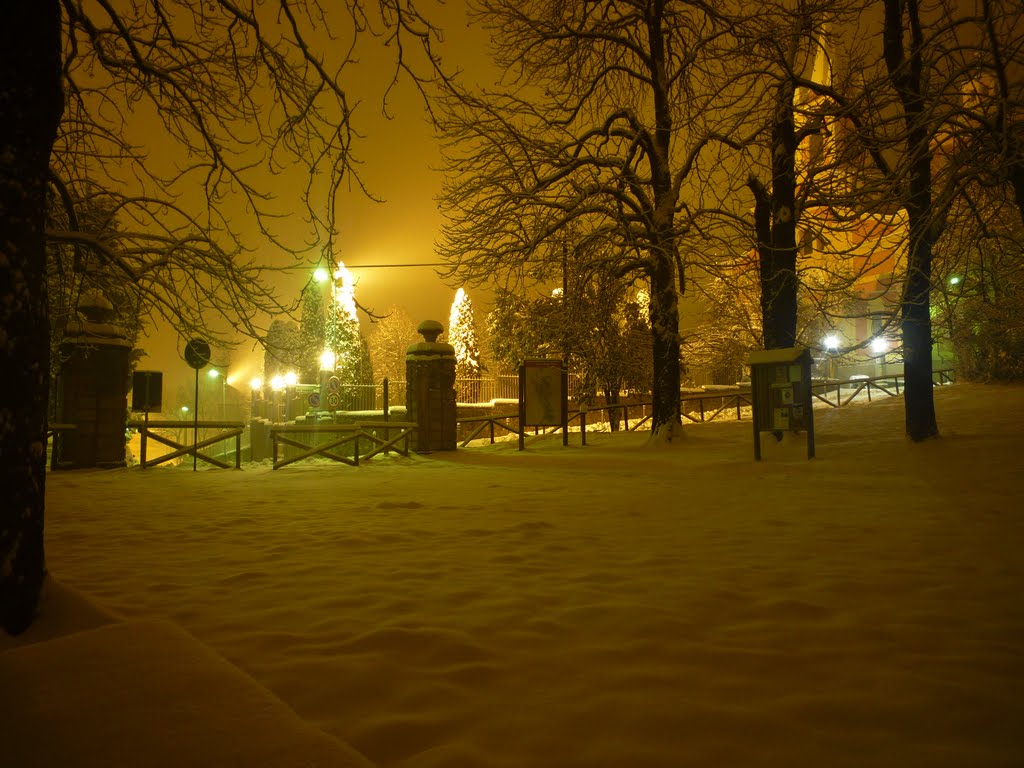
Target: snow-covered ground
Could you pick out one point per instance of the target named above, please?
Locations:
(613, 605)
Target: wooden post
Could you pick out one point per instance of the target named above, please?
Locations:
(565, 401)
(142, 441)
(522, 407)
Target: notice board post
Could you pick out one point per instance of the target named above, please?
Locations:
(543, 397)
(780, 387)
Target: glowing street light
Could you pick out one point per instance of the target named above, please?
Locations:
(954, 280)
(215, 373)
(277, 384)
(328, 360)
(879, 346)
(291, 378)
(831, 344)
(256, 384)
(321, 275)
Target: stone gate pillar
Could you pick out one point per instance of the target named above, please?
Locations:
(430, 390)
(93, 389)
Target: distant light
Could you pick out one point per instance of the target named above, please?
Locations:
(879, 346)
(321, 275)
(184, 409)
(214, 373)
(256, 383)
(277, 383)
(954, 280)
(291, 378)
(556, 293)
(831, 342)
(327, 360)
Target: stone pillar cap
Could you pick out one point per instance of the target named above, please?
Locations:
(430, 330)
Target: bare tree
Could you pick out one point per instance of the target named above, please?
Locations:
(392, 335)
(786, 45)
(239, 97)
(902, 68)
(903, 100)
(989, 132)
(593, 136)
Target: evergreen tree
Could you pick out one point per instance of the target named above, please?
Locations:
(342, 333)
(312, 332)
(344, 339)
(282, 349)
(463, 336)
(600, 328)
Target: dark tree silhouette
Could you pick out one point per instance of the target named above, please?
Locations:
(30, 109)
(243, 97)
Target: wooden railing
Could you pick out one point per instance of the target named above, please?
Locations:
(232, 429)
(496, 420)
(339, 436)
(725, 401)
(890, 385)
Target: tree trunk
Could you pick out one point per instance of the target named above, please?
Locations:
(916, 332)
(775, 218)
(31, 103)
(916, 321)
(611, 397)
(666, 419)
(907, 76)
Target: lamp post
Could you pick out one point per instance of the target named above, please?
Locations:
(218, 374)
(276, 388)
(831, 344)
(879, 346)
(256, 389)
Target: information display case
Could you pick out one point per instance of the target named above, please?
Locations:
(780, 384)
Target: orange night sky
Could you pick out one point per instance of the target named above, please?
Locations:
(398, 158)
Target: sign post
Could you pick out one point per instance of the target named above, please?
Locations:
(543, 397)
(197, 355)
(147, 395)
(780, 388)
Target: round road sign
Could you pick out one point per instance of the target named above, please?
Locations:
(197, 353)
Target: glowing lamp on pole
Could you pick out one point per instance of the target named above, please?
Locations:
(831, 344)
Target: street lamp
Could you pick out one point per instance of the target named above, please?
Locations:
(831, 344)
(328, 360)
(255, 393)
(218, 374)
